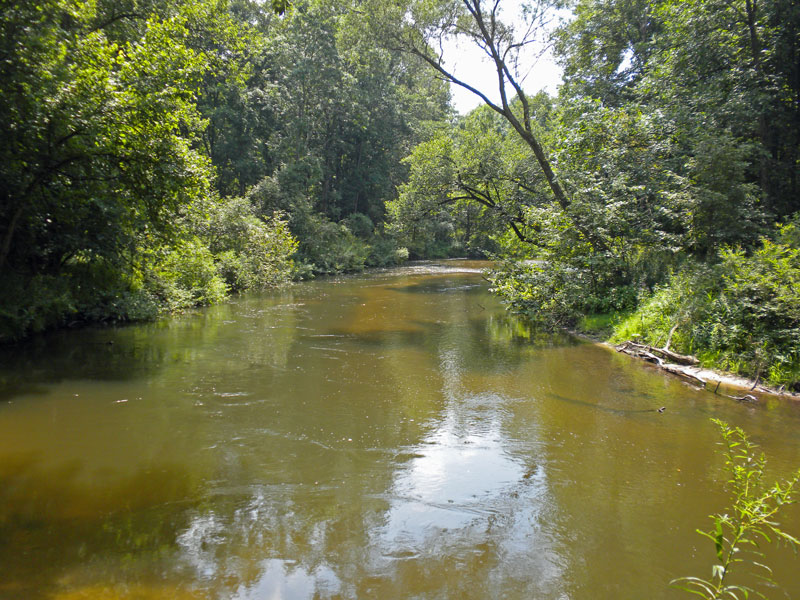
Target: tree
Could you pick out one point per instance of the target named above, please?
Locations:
(604, 49)
(480, 174)
(102, 158)
(428, 24)
(98, 135)
(725, 74)
(319, 125)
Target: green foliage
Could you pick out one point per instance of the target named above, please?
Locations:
(557, 295)
(761, 298)
(33, 305)
(360, 225)
(221, 249)
(281, 6)
(385, 252)
(541, 293)
(727, 70)
(99, 133)
(266, 259)
(618, 162)
(600, 324)
(468, 185)
(187, 277)
(182, 136)
(106, 206)
(95, 291)
(253, 253)
(606, 46)
(118, 122)
(680, 302)
(321, 112)
(316, 128)
(740, 314)
(627, 217)
(750, 520)
(331, 247)
(721, 72)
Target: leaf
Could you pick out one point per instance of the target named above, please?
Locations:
(280, 6)
(706, 590)
(719, 538)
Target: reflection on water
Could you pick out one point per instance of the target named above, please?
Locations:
(395, 435)
(467, 494)
(286, 579)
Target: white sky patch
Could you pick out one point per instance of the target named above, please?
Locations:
(627, 61)
(469, 66)
(538, 69)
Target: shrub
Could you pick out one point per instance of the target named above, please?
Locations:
(360, 225)
(32, 305)
(384, 252)
(83, 291)
(558, 293)
(251, 252)
(742, 314)
(186, 277)
(331, 247)
(750, 520)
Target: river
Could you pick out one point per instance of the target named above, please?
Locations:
(390, 435)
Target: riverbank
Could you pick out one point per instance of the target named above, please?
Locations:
(599, 330)
(735, 386)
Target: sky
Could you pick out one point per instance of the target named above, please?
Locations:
(471, 65)
(468, 65)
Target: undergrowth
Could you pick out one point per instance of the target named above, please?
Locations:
(741, 314)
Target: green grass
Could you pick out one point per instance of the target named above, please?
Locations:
(601, 325)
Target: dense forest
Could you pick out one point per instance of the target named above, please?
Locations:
(162, 154)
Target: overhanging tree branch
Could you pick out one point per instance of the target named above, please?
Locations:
(497, 41)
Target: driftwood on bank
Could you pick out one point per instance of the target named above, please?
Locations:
(651, 355)
(749, 398)
(656, 356)
(664, 353)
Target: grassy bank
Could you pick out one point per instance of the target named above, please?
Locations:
(740, 315)
(738, 312)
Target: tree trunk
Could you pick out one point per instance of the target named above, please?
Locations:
(487, 29)
(5, 249)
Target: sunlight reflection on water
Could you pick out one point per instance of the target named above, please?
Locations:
(391, 435)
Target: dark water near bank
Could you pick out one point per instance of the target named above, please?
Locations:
(395, 435)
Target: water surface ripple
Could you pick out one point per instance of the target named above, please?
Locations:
(391, 435)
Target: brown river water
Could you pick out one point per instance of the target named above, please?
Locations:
(391, 435)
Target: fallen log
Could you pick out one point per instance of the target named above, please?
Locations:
(681, 370)
(648, 353)
(701, 377)
(681, 359)
(749, 398)
(639, 351)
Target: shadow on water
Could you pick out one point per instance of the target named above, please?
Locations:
(490, 344)
(99, 354)
(504, 329)
(133, 520)
(139, 351)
